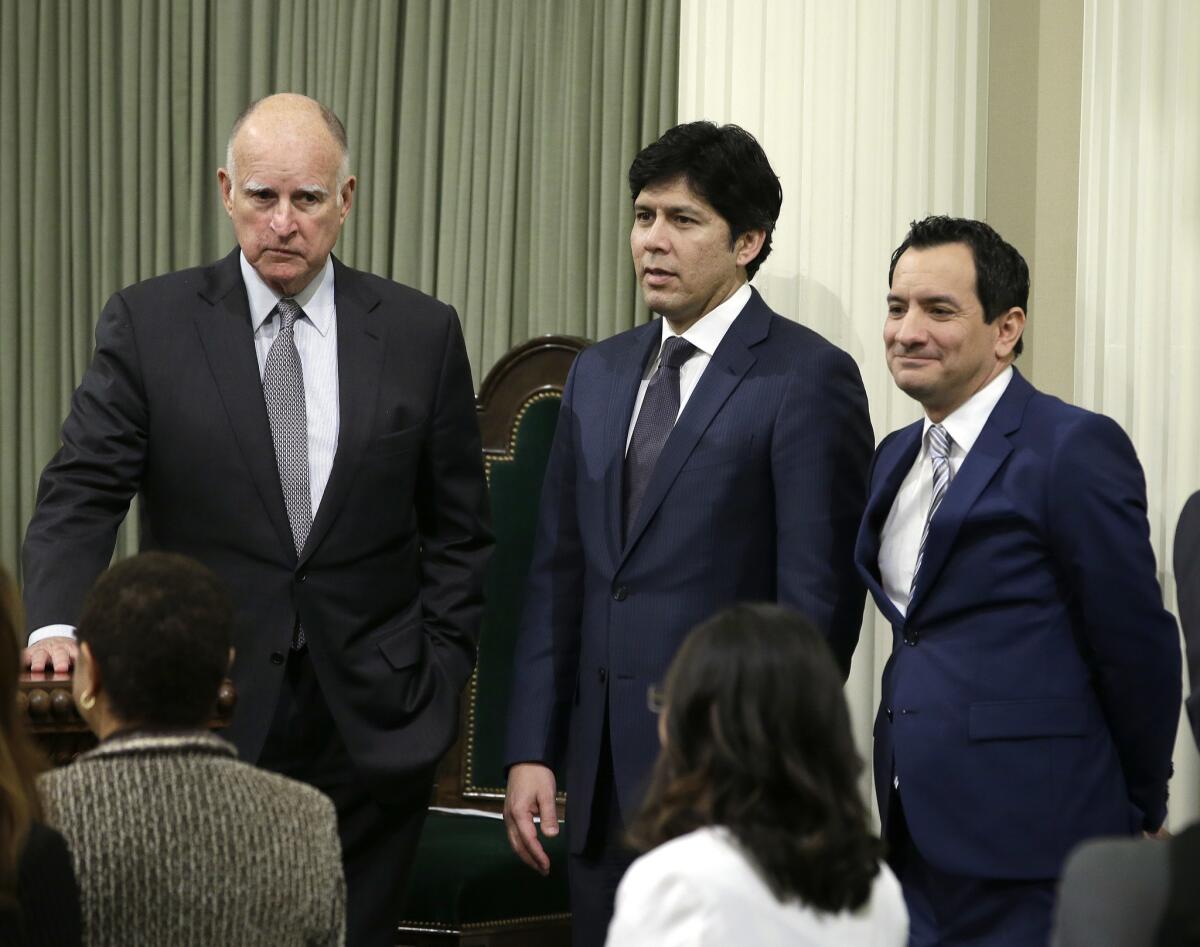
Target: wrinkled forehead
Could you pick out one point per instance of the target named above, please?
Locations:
(303, 149)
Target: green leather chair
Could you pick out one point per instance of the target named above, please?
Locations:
(467, 886)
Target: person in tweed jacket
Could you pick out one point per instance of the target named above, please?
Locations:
(174, 840)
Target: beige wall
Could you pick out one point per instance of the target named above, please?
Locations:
(1035, 50)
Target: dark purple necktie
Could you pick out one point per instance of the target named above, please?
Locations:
(660, 407)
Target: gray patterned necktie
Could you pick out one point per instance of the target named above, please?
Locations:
(283, 389)
(939, 455)
(660, 407)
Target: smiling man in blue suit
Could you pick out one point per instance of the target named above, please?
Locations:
(1032, 695)
(715, 455)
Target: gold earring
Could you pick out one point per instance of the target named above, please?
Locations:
(87, 701)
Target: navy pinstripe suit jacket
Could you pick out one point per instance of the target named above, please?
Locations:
(756, 496)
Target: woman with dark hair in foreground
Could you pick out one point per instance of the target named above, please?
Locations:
(754, 825)
(39, 898)
(175, 841)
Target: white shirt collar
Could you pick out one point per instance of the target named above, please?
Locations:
(707, 332)
(964, 423)
(316, 299)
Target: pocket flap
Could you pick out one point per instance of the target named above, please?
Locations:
(403, 649)
(397, 442)
(1013, 719)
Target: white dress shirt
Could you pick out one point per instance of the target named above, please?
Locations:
(705, 334)
(316, 341)
(900, 540)
(700, 890)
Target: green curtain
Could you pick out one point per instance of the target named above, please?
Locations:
(491, 139)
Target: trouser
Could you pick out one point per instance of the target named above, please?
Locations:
(378, 841)
(946, 910)
(593, 875)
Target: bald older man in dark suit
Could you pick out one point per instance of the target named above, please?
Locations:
(308, 432)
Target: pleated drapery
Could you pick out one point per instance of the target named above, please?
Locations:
(491, 139)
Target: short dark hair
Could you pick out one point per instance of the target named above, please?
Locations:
(723, 164)
(159, 627)
(1001, 273)
(759, 741)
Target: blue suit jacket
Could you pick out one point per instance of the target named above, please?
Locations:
(756, 496)
(1032, 695)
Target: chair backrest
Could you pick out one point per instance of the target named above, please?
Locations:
(518, 410)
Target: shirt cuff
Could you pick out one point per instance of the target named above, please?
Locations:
(51, 631)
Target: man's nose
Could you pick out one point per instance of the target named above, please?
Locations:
(283, 222)
(656, 236)
(909, 329)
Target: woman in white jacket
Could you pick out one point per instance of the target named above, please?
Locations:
(753, 825)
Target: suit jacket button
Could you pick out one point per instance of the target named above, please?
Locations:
(277, 657)
(603, 675)
(302, 576)
(889, 713)
(620, 593)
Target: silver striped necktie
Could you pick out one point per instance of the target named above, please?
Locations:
(939, 454)
(283, 389)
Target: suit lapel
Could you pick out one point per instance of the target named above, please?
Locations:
(724, 373)
(360, 360)
(892, 464)
(228, 340)
(629, 363)
(977, 470)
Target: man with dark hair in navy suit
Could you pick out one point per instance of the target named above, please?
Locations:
(1032, 695)
(715, 455)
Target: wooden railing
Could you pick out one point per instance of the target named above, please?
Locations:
(44, 700)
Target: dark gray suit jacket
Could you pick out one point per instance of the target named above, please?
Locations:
(389, 585)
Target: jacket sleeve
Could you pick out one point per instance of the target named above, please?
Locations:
(1101, 540)
(546, 659)
(453, 517)
(85, 490)
(820, 455)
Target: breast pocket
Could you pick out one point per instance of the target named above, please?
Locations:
(724, 452)
(396, 442)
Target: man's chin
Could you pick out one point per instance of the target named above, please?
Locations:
(660, 302)
(287, 277)
(912, 382)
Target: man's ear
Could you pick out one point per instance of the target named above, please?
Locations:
(226, 182)
(1009, 327)
(347, 195)
(747, 246)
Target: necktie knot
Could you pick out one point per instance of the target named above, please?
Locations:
(939, 443)
(289, 312)
(675, 351)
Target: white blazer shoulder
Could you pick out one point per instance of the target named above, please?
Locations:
(699, 889)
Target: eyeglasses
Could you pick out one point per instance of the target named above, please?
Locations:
(656, 698)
